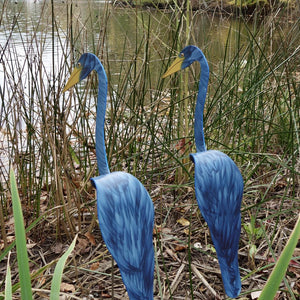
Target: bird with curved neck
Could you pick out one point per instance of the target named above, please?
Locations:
(125, 209)
(218, 183)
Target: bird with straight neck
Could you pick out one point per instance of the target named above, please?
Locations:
(218, 182)
(125, 209)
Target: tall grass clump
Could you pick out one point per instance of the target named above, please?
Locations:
(251, 113)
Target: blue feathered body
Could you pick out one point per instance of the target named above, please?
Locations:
(219, 191)
(125, 209)
(126, 219)
(218, 185)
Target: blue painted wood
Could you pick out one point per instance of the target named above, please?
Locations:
(125, 209)
(218, 186)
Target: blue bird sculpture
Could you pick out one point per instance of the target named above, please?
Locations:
(125, 209)
(218, 183)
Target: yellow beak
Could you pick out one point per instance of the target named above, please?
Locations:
(74, 78)
(175, 67)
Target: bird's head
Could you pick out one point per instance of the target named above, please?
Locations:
(185, 58)
(85, 65)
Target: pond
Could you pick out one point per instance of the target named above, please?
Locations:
(26, 29)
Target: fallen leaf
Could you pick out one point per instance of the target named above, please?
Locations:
(9, 239)
(95, 266)
(255, 295)
(82, 246)
(294, 263)
(186, 231)
(181, 145)
(91, 238)
(180, 247)
(57, 248)
(180, 209)
(183, 222)
(66, 287)
(41, 281)
(30, 245)
(166, 230)
(297, 252)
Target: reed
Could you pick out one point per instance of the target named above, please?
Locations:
(251, 114)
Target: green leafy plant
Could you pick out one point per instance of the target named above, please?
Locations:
(8, 287)
(282, 263)
(57, 275)
(254, 233)
(22, 256)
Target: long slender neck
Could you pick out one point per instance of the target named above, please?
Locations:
(101, 108)
(198, 126)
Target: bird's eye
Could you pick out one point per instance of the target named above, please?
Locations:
(78, 65)
(181, 54)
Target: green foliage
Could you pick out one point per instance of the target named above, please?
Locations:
(8, 287)
(253, 231)
(254, 234)
(279, 270)
(22, 256)
(57, 275)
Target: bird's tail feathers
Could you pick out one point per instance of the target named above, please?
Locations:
(231, 277)
(136, 287)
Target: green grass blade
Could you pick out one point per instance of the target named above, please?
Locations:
(56, 280)
(22, 256)
(278, 272)
(8, 287)
(34, 275)
(73, 155)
